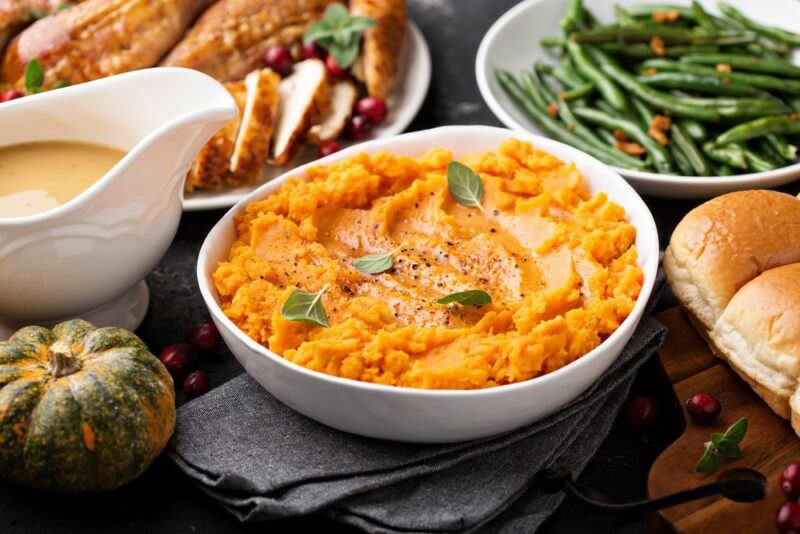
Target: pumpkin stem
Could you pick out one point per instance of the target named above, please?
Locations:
(62, 362)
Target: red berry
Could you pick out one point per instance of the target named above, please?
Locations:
(196, 384)
(311, 51)
(179, 359)
(205, 338)
(703, 408)
(787, 518)
(279, 59)
(11, 94)
(333, 68)
(359, 127)
(327, 148)
(790, 480)
(372, 108)
(642, 412)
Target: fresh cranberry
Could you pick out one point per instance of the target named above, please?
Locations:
(179, 359)
(333, 68)
(359, 127)
(326, 148)
(703, 408)
(790, 481)
(205, 338)
(312, 51)
(373, 108)
(642, 412)
(279, 59)
(196, 384)
(787, 518)
(11, 94)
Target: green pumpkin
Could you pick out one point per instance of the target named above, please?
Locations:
(81, 408)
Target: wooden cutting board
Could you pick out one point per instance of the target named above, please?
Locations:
(770, 443)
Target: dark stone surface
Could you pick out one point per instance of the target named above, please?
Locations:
(163, 501)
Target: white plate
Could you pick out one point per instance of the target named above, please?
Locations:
(512, 43)
(414, 78)
(432, 416)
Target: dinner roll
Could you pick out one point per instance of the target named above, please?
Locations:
(759, 335)
(726, 242)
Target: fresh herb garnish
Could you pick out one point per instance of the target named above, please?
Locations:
(62, 5)
(305, 307)
(339, 33)
(37, 13)
(60, 84)
(34, 77)
(722, 446)
(472, 297)
(464, 184)
(376, 263)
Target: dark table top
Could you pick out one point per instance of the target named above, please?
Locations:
(164, 501)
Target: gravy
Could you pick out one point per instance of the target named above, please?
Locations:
(37, 177)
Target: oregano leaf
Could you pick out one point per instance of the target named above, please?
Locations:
(464, 184)
(710, 461)
(736, 431)
(376, 263)
(305, 307)
(472, 297)
(34, 76)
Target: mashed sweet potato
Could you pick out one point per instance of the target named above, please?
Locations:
(559, 264)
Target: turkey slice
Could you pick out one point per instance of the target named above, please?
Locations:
(251, 149)
(342, 98)
(210, 168)
(298, 94)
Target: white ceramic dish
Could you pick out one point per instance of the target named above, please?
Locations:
(88, 257)
(512, 43)
(415, 415)
(414, 79)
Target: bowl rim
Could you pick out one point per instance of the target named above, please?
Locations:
(482, 76)
(626, 328)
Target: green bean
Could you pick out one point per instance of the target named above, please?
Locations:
(643, 51)
(746, 63)
(578, 93)
(552, 127)
(567, 77)
(659, 99)
(607, 88)
(573, 20)
(732, 155)
(763, 45)
(668, 34)
(695, 129)
(782, 146)
(696, 158)
(647, 10)
(552, 42)
(761, 81)
(702, 17)
(762, 29)
(607, 136)
(768, 152)
(756, 162)
(724, 170)
(589, 18)
(659, 155)
(681, 161)
(697, 82)
(777, 124)
(794, 103)
(530, 88)
(644, 113)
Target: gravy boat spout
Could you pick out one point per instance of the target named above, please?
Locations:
(87, 258)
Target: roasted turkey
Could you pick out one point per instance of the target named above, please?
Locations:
(230, 39)
(99, 38)
(16, 14)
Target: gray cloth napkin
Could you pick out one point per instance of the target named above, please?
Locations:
(261, 460)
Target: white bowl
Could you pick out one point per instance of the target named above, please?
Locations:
(432, 416)
(404, 103)
(512, 43)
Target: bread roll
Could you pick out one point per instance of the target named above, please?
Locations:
(726, 242)
(759, 335)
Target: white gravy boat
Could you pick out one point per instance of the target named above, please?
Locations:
(88, 257)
